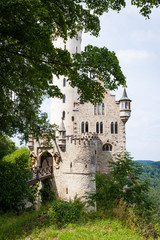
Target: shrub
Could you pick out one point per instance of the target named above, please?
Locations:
(14, 188)
(20, 157)
(62, 212)
(47, 194)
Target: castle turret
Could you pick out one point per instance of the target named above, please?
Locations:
(64, 107)
(62, 136)
(125, 107)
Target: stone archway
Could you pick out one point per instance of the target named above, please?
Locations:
(46, 160)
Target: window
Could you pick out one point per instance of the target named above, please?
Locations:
(122, 105)
(64, 82)
(99, 108)
(64, 98)
(82, 127)
(116, 127)
(97, 127)
(125, 104)
(112, 127)
(86, 127)
(64, 46)
(63, 115)
(101, 127)
(76, 49)
(107, 147)
(95, 109)
(103, 109)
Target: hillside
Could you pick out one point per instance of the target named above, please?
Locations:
(151, 171)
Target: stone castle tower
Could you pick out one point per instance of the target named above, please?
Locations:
(88, 136)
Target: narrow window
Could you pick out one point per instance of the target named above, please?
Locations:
(86, 127)
(116, 127)
(97, 127)
(66, 190)
(99, 108)
(95, 109)
(71, 165)
(101, 127)
(65, 46)
(63, 115)
(64, 82)
(72, 119)
(122, 105)
(76, 49)
(103, 109)
(112, 127)
(82, 127)
(125, 104)
(64, 98)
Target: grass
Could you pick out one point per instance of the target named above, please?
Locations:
(35, 226)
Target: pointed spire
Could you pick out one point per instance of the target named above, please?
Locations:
(124, 96)
(62, 127)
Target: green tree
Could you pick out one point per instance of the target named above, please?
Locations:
(28, 58)
(7, 146)
(21, 158)
(14, 175)
(122, 182)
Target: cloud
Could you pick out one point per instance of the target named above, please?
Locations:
(131, 56)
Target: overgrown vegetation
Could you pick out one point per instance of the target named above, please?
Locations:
(124, 206)
(14, 175)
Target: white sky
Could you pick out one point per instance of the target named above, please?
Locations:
(136, 42)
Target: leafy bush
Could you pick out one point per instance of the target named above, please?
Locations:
(20, 157)
(62, 212)
(47, 194)
(14, 188)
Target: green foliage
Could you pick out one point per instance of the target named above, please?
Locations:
(28, 58)
(47, 193)
(122, 182)
(20, 158)
(152, 173)
(7, 146)
(62, 212)
(14, 189)
(14, 175)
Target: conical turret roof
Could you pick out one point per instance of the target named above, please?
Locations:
(124, 96)
(62, 127)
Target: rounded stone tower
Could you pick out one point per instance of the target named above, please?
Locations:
(63, 108)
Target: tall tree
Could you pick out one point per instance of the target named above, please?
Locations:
(28, 58)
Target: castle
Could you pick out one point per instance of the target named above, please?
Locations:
(88, 136)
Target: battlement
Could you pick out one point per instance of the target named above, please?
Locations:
(84, 138)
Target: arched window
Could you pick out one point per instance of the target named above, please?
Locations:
(107, 147)
(64, 98)
(63, 115)
(125, 104)
(82, 127)
(99, 108)
(116, 127)
(97, 127)
(95, 109)
(101, 127)
(112, 127)
(103, 109)
(64, 82)
(86, 127)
